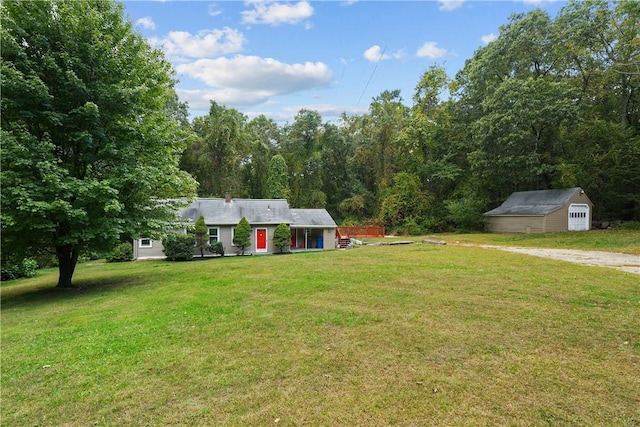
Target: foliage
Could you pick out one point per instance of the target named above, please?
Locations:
(178, 246)
(404, 204)
(215, 157)
(301, 151)
(15, 269)
(242, 235)
(466, 214)
(282, 237)
(216, 248)
(122, 252)
(277, 186)
(202, 235)
(90, 143)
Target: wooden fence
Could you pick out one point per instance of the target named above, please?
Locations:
(360, 231)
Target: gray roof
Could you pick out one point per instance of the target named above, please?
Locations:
(221, 212)
(541, 202)
(310, 218)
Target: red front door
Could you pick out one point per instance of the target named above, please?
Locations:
(261, 240)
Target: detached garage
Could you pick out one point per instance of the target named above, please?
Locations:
(542, 211)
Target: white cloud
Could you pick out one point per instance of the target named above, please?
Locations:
(486, 39)
(181, 44)
(214, 10)
(146, 23)
(201, 99)
(537, 2)
(263, 76)
(375, 54)
(449, 5)
(430, 50)
(271, 13)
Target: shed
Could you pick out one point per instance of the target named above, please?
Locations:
(542, 211)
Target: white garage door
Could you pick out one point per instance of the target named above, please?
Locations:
(578, 217)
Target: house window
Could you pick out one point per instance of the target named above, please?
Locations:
(145, 243)
(214, 233)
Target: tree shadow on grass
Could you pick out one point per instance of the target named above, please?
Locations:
(46, 292)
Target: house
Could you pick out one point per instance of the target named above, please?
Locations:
(310, 228)
(542, 211)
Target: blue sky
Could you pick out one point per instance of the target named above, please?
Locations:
(275, 58)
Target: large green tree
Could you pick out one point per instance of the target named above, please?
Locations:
(300, 148)
(90, 140)
(277, 183)
(265, 138)
(216, 157)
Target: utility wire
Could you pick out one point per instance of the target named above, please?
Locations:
(371, 76)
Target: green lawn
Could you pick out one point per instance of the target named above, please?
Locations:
(378, 335)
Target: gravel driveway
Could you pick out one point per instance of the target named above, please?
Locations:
(624, 262)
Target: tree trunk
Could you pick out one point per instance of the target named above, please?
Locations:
(67, 260)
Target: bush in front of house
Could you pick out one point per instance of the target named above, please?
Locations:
(282, 237)
(121, 253)
(216, 248)
(242, 235)
(202, 235)
(178, 247)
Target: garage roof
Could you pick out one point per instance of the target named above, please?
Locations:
(540, 202)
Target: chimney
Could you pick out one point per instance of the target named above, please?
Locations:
(227, 197)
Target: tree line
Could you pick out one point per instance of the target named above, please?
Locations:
(551, 103)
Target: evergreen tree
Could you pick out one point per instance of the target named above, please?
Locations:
(202, 235)
(282, 237)
(242, 235)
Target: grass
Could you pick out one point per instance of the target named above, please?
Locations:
(613, 240)
(378, 335)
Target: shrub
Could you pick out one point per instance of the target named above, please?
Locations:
(242, 235)
(178, 247)
(121, 253)
(629, 225)
(411, 227)
(14, 270)
(282, 237)
(216, 248)
(202, 235)
(466, 214)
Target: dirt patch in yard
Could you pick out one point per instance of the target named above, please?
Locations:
(624, 262)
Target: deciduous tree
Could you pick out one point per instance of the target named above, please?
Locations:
(89, 150)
